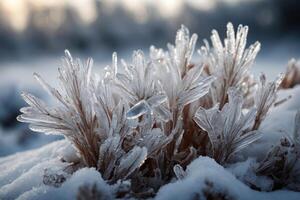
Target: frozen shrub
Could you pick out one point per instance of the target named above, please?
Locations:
(229, 63)
(122, 119)
(142, 122)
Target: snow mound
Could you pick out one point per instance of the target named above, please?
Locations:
(70, 189)
(205, 178)
(23, 172)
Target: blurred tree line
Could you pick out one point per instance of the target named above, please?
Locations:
(53, 29)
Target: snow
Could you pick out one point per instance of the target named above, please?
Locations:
(205, 170)
(69, 189)
(23, 171)
(22, 174)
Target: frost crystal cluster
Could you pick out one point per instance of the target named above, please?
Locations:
(145, 120)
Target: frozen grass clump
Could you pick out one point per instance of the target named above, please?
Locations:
(143, 122)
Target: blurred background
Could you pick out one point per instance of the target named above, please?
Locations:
(34, 33)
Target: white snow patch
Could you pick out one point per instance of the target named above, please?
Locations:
(69, 189)
(204, 170)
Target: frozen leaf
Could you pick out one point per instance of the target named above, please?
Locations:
(154, 140)
(163, 113)
(195, 92)
(133, 160)
(265, 97)
(108, 156)
(227, 129)
(157, 100)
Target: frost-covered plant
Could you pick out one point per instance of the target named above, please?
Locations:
(180, 78)
(280, 164)
(292, 74)
(96, 125)
(229, 62)
(147, 119)
(265, 96)
(127, 116)
(74, 118)
(227, 128)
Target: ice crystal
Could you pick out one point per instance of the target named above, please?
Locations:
(226, 128)
(141, 88)
(181, 79)
(53, 179)
(264, 98)
(229, 62)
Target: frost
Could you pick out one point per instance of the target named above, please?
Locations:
(140, 86)
(227, 129)
(265, 97)
(139, 109)
(131, 162)
(229, 62)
